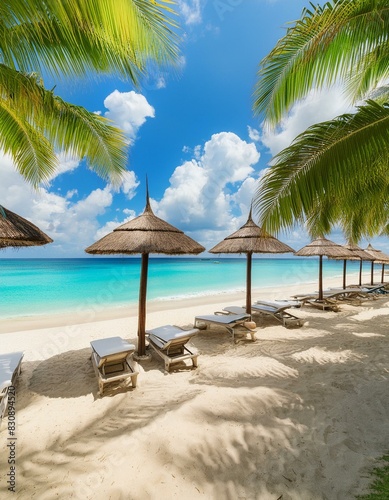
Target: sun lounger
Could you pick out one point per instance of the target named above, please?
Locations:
(287, 303)
(236, 324)
(382, 288)
(329, 301)
(10, 368)
(112, 362)
(170, 341)
(354, 294)
(275, 309)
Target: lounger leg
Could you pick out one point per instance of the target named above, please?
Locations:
(134, 380)
(194, 361)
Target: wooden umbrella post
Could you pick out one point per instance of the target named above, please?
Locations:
(320, 277)
(248, 282)
(372, 273)
(142, 306)
(344, 273)
(360, 273)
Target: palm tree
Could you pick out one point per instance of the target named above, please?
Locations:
(335, 172)
(73, 38)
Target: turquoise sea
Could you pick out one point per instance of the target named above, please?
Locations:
(44, 286)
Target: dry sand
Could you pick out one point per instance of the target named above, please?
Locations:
(299, 414)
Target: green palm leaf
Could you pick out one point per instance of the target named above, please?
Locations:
(59, 125)
(341, 41)
(343, 162)
(75, 37)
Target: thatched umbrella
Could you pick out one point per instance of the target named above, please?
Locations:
(250, 239)
(15, 231)
(323, 247)
(379, 257)
(145, 234)
(357, 254)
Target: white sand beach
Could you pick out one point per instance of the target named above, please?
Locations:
(299, 414)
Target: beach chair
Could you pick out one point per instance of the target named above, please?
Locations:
(329, 301)
(10, 368)
(169, 342)
(112, 362)
(238, 324)
(275, 309)
(287, 303)
(382, 288)
(354, 294)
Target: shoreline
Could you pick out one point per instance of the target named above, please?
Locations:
(95, 313)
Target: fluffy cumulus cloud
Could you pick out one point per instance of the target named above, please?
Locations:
(128, 110)
(254, 134)
(128, 185)
(316, 107)
(191, 11)
(213, 192)
(67, 163)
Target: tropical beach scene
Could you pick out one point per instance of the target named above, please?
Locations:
(194, 252)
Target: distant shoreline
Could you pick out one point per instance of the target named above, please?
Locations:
(92, 314)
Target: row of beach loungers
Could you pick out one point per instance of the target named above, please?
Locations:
(112, 358)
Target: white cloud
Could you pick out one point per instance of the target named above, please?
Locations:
(254, 134)
(128, 110)
(204, 192)
(128, 185)
(317, 107)
(66, 163)
(191, 11)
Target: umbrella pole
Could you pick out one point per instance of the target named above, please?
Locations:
(344, 273)
(382, 272)
(320, 277)
(248, 282)
(142, 306)
(372, 273)
(360, 273)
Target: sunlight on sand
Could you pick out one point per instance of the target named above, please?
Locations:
(321, 356)
(298, 414)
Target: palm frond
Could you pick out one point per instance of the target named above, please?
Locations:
(330, 161)
(32, 153)
(32, 114)
(335, 42)
(75, 37)
(87, 135)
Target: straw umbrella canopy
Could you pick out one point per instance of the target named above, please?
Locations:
(250, 239)
(15, 231)
(357, 254)
(379, 257)
(323, 247)
(144, 235)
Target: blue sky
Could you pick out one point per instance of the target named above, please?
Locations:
(192, 131)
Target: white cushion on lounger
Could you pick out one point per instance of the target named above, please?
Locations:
(9, 365)
(170, 332)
